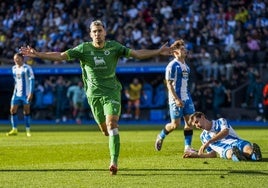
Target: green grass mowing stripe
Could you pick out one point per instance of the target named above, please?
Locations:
(77, 156)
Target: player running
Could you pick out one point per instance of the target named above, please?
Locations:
(180, 101)
(98, 60)
(23, 93)
(219, 137)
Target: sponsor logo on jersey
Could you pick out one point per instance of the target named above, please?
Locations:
(99, 61)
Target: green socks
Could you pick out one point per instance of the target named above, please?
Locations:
(114, 145)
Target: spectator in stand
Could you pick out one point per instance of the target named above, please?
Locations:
(236, 45)
(166, 10)
(132, 12)
(242, 14)
(230, 62)
(217, 63)
(252, 75)
(230, 13)
(199, 16)
(136, 34)
(265, 102)
(38, 95)
(231, 23)
(61, 101)
(258, 97)
(133, 94)
(253, 44)
(147, 16)
(219, 95)
(258, 6)
(242, 63)
(204, 67)
(228, 40)
(77, 95)
(242, 18)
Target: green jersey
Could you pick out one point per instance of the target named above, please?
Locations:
(99, 65)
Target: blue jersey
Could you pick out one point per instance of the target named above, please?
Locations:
(179, 73)
(220, 146)
(24, 80)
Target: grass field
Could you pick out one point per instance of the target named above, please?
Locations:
(78, 156)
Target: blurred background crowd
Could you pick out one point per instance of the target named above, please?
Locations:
(226, 40)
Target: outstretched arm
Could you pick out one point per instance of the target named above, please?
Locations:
(144, 53)
(211, 154)
(220, 135)
(53, 56)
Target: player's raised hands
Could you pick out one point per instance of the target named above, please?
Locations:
(165, 50)
(28, 51)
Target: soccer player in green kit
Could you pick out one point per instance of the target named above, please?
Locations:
(98, 60)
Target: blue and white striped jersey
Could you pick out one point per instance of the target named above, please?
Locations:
(24, 80)
(178, 72)
(223, 144)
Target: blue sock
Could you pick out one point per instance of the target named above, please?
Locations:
(14, 121)
(253, 157)
(188, 134)
(27, 121)
(187, 140)
(163, 133)
(234, 158)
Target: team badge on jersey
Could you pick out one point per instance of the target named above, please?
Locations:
(185, 74)
(107, 52)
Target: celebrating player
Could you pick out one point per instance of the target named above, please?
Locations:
(180, 101)
(23, 93)
(219, 137)
(98, 61)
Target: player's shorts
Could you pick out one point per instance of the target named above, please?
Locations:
(15, 100)
(105, 105)
(178, 112)
(135, 102)
(240, 144)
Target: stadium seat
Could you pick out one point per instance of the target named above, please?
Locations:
(48, 99)
(146, 102)
(261, 55)
(160, 97)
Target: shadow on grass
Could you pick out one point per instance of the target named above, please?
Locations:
(264, 160)
(138, 171)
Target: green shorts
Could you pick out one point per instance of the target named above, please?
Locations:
(105, 105)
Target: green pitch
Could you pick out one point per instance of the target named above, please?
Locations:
(77, 156)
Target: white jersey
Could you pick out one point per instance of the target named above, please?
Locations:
(223, 144)
(24, 80)
(178, 72)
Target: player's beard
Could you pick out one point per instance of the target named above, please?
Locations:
(99, 41)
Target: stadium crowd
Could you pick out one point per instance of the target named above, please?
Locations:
(226, 39)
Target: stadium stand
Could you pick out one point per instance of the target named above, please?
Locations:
(59, 25)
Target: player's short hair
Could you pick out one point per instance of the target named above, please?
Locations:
(19, 54)
(96, 23)
(177, 44)
(197, 115)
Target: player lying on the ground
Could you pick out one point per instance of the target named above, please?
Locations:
(219, 137)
